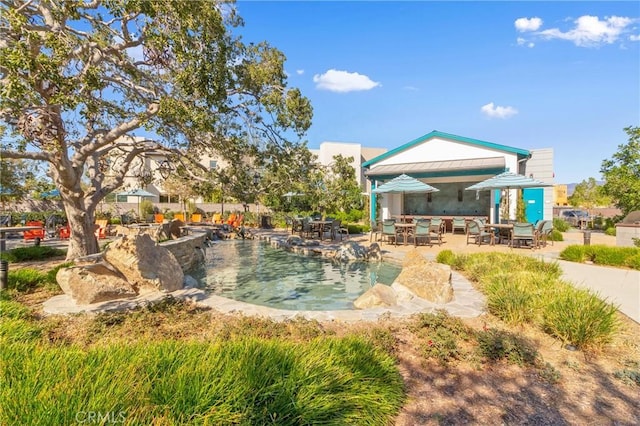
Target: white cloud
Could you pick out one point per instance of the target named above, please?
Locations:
(633, 37)
(411, 88)
(528, 24)
(590, 31)
(299, 72)
(493, 111)
(343, 81)
(522, 42)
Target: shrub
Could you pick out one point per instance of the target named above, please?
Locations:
(574, 253)
(610, 231)
(509, 300)
(439, 334)
(26, 279)
(581, 318)
(561, 225)
(555, 235)
(446, 257)
(615, 256)
(495, 345)
(633, 261)
(22, 254)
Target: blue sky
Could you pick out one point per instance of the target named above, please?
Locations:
(561, 75)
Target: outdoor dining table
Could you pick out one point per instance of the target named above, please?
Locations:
(404, 229)
(319, 226)
(499, 227)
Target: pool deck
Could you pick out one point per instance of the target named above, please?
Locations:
(467, 301)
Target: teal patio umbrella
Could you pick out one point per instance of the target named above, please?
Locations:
(508, 181)
(404, 184)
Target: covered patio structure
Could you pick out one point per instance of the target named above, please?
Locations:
(452, 163)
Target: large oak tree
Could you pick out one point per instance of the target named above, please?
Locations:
(78, 77)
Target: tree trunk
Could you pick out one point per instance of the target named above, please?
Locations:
(82, 241)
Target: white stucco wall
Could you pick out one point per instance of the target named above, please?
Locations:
(438, 149)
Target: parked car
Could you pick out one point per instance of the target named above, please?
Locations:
(577, 218)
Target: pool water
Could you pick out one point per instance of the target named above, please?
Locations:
(254, 272)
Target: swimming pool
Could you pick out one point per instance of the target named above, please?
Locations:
(254, 272)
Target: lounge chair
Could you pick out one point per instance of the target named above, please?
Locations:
(196, 218)
(178, 216)
(158, 218)
(475, 230)
(217, 219)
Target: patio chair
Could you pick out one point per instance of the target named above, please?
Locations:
(179, 216)
(306, 229)
(334, 229)
(475, 230)
(101, 228)
(543, 230)
(34, 234)
(217, 219)
(458, 223)
(422, 232)
(523, 232)
(374, 233)
(437, 226)
(158, 218)
(196, 218)
(388, 230)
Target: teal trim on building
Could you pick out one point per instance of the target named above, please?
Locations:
(471, 172)
(442, 135)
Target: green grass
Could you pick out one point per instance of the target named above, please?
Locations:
(24, 254)
(243, 381)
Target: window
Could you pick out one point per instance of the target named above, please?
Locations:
(428, 197)
(166, 198)
(460, 195)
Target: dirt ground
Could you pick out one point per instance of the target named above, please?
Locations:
(571, 387)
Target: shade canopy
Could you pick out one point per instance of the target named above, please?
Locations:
(404, 184)
(136, 193)
(508, 180)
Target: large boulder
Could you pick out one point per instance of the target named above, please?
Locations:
(145, 264)
(378, 295)
(426, 279)
(93, 283)
(350, 251)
